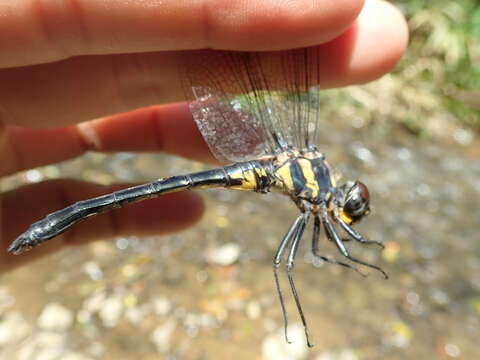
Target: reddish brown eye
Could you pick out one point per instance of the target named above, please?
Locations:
(357, 201)
(364, 194)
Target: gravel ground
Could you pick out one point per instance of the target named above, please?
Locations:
(208, 293)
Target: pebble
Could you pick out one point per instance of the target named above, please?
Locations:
(55, 317)
(45, 345)
(344, 354)
(93, 270)
(275, 347)
(96, 349)
(7, 300)
(135, 315)
(84, 316)
(253, 310)
(162, 335)
(75, 356)
(111, 311)
(452, 350)
(94, 302)
(162, 306)
(402, 334)
(200, 320)
(207, 321)
(224, 255)
(13, 327)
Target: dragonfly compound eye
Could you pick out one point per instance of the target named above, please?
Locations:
(357, 201)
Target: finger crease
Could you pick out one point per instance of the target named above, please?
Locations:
(81, 34)
(206, 24)
(49, 34)
(157, 129)
(9, 146)
(65, 39)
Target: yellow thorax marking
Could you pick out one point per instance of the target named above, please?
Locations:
(309, 175)
(284, 175)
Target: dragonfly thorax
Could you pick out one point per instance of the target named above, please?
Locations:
(304, 176)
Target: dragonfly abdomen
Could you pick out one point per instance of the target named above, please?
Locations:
(59, 221)
(241, 176)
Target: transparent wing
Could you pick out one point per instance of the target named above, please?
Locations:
(249, 104)
(230, 132)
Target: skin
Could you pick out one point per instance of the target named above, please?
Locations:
(130, 51)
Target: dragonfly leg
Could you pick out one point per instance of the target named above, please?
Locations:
(290, 265)
(333, 235)
(315, 249)
(355, 234)
(276, 263)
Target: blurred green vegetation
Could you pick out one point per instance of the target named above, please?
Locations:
(435, 90)
(445, 40)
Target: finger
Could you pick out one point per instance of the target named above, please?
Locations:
(83, 88)
(165, 214)
(368, 49)
(168, 128)
(44, 31)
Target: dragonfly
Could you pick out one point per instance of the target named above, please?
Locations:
(261, 113)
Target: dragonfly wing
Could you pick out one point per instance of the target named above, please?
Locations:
(248, 104)
(231, 134)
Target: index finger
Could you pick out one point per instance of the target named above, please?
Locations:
(39, 31)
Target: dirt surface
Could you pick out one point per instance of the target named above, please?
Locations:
(208, 293)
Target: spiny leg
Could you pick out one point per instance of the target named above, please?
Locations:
(290, 264)
(291, 233)
(355, 234)
(333, 235)
(315, 250)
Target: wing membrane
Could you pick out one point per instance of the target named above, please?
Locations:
(231, 134)
(249, 104)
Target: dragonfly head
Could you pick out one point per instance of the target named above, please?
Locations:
(356, 201)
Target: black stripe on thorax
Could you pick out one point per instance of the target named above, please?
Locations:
(298, 178)
(322, 174)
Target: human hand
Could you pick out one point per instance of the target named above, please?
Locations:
(64, 63)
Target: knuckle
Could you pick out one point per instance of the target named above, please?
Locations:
(63, 26)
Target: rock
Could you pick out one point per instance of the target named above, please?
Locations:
(162, 335)
(13, 327)
(84, 316)
(96, 349)
(111, 311)
(162, 306)
(75, 356)
(93, 270)
(253, 310)
(45, 345)
(7, 300)
(94, 303)
(55, 317)
(135, 315)
(275, 347)
(224, 255)
(343, 354)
